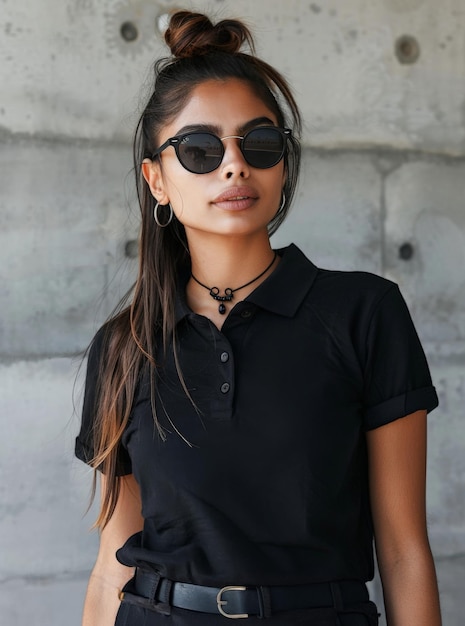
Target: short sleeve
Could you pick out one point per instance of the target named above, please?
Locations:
(84, 444)
(397, 376)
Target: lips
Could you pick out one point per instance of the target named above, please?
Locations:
(236, 194)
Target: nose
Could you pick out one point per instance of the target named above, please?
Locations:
(233, 164)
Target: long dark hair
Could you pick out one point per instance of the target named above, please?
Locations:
(200, 51)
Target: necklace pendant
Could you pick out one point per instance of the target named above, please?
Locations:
(228, 292)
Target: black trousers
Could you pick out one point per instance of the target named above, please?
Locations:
(363, 615)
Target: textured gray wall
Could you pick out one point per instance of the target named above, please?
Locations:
(384, 171)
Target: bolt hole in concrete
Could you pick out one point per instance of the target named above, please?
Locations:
(131, 249)
(407, 49)
(406, 251)
(129, 31)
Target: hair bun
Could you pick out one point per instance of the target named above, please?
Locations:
(193, 34)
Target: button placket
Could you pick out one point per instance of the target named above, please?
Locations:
(225, 370)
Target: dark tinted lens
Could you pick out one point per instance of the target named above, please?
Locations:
(263, 147)
(200, 153)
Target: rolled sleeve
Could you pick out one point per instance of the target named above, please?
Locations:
(397, 376)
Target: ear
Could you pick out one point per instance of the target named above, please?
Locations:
(152, 173)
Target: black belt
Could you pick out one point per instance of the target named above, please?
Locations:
(150, 590)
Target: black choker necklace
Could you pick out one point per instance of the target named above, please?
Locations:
(228, 292)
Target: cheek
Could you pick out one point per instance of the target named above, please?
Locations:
(278, 178)
(178, 186)
(187, 196)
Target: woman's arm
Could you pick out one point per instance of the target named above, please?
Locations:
(108, 575)
(397, 469)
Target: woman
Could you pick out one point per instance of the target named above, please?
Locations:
(245, 409)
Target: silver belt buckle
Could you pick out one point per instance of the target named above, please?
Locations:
(221, 603)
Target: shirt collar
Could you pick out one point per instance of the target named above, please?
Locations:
(282, 292)
(285, 289)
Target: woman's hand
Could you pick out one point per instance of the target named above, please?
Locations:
(108, 575)
(397, 471)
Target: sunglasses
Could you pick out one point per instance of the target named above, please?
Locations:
(202, 152)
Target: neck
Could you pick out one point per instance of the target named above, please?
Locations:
(230, 262)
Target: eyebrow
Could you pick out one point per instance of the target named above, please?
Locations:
(216, 130)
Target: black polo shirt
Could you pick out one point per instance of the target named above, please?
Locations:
(272, 487)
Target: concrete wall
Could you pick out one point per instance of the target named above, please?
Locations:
(383, 189)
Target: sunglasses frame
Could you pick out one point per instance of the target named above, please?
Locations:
(176, 141)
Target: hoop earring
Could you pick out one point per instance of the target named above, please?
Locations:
(283, 202)
(155, 215)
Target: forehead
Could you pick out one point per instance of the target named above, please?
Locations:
(226, 104)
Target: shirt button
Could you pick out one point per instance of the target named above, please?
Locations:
(224, 357)
(225, 387)
(246, 313)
